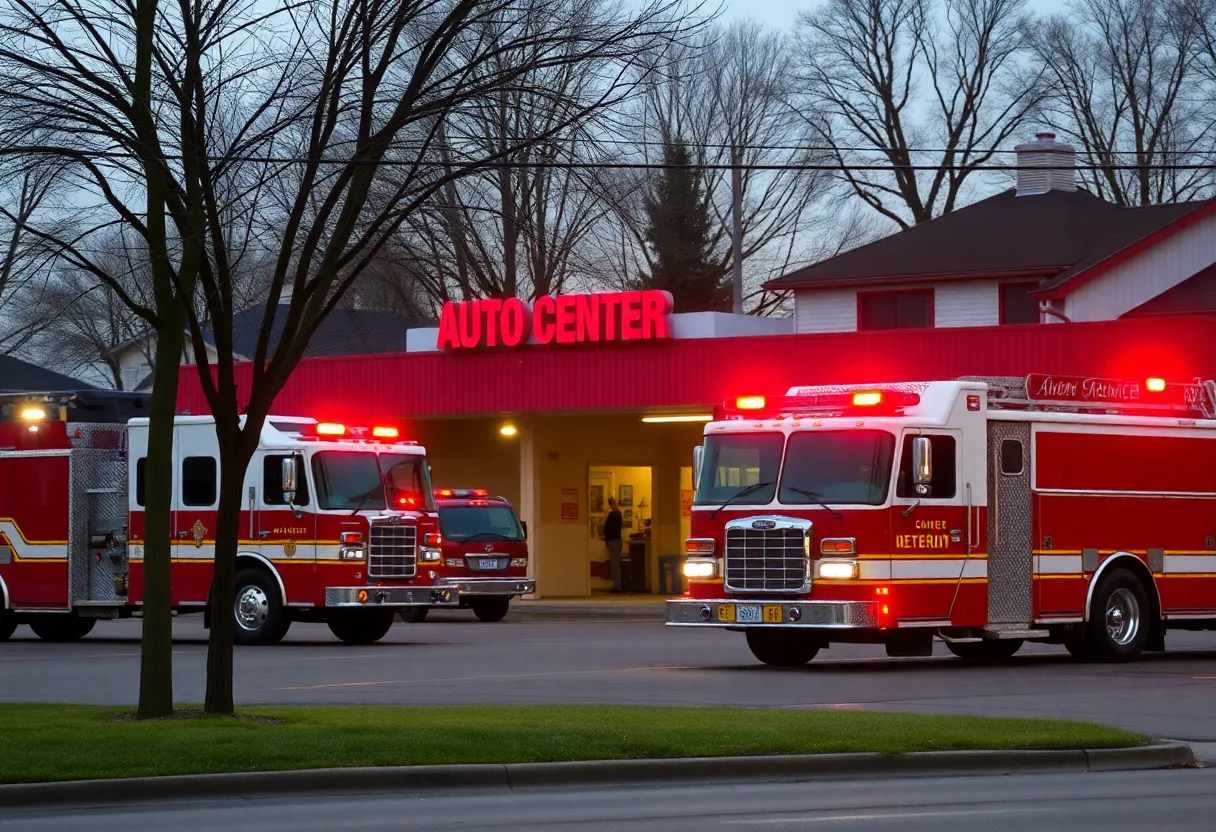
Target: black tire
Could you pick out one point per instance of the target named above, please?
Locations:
(60, 628)
(360, 626)
(781, 648)
(259, 617)
(1118, 624)
(1078, 648)
(414, 615)
(8, 625)
(491, 608)
(992, 650)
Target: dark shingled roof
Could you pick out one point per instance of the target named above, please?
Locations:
(18, 376)
(344, 332)
(1056, 235)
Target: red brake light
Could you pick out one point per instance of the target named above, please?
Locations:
(1156, 385)
(385, 433)
(481, 492)
(407, 501)
(331, 429)
(750, 402)
(870, 398)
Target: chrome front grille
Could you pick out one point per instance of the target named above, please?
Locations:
(766, 559)
(392, 551)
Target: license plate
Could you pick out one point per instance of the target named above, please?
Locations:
(489, 563)
(750, 613)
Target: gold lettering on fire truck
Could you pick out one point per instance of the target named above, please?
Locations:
(289, 531)
(925, 539)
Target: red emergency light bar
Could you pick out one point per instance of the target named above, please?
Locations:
(332, 431)
(854, 402)
(461, 493)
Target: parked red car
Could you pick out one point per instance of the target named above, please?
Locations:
(484, 553)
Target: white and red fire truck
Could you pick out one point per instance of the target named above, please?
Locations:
(338, 525)
(982, 512)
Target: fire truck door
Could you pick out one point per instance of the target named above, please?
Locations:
(286, 533)
(1010, 556)
(196, 508)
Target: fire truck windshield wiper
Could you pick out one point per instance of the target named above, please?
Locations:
(756, 486)
(364, 499)
(488, 536)
(814, 495)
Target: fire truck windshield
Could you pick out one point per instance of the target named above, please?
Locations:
(736, 461)
(408, 481)
(846, 466)
(347, 480)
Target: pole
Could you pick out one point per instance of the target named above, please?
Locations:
(736, 235)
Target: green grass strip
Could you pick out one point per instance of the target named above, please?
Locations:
(69, 742)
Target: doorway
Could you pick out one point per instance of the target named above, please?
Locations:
(631, 487)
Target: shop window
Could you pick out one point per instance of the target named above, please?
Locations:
(1017, 306)
(141, 466)
(198, 481)
(912, 309)
(943, 486)
(272, 482)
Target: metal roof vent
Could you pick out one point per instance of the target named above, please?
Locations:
(1046, 165)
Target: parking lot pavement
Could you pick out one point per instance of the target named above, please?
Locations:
(454, 659)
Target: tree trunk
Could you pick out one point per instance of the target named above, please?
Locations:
(156, 657)
(234, 459)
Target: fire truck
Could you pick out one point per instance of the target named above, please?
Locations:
(982, 512)
(485, 552)
(338, 522)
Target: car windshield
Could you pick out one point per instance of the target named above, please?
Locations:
(480, 522)
(408, 481)
(733, 462)
(837, 467)
(347, 480)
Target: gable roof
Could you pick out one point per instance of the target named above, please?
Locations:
(1057, 235)
(1195, 295)
(343, 332)
(17, 376)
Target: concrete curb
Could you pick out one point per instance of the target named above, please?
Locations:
(534, 775)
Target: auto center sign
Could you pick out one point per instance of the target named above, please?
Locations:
(556, 319)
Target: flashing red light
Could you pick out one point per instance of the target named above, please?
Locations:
(385, 433)
(331, 429)
(750, 402)
(444, 492)
(1155, 385)
(407, 501)
(869, 398)
(480, 492)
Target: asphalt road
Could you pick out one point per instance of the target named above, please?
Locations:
(1175, 800)
(454, 659)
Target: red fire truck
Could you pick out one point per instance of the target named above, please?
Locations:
(485, 553)
(338, 526)
(982, 512)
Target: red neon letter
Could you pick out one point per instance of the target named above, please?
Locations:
(656, 306)
(610, 302)
(631, 316)
(449, 334)
(544, 309)
(566, 306)
(514, 322)
(588, 317)
(470, 324)
(490, 309)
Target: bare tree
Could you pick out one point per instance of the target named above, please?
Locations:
(1126, 90)
(884, 79)
(25, 187)
(271, 132)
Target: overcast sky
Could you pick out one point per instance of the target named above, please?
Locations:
(783, 12)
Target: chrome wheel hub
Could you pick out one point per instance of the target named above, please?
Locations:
(251, 608)
(1122, 617)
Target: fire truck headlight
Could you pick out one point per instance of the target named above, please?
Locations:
(837, 569)
(700, 568)
(427, 555)
(351, 553)
(33, 414)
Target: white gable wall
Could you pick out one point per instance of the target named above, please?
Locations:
(955, 303)
(1146, 275)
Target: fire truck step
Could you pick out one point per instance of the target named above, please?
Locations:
(1014, 632)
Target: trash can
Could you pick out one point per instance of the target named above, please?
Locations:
(671, 575)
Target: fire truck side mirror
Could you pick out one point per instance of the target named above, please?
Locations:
(289, 479)
(922, 465)
(698, 455)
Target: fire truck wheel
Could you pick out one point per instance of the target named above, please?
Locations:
(66, 627)
(415, 615)
(258, 609)
(1118, 620)
(491, 608)
(781, 648)
(360, 626)
(8, 625)
(993, 650)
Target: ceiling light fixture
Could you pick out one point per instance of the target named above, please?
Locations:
(692, 417)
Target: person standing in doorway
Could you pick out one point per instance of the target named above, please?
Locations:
(612, 541)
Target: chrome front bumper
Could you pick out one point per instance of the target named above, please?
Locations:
(389, 596)
(490, 586)
(835, 615)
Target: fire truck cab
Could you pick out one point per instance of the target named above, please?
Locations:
(981, 512)
(336, 526)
